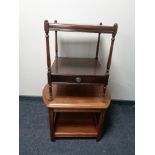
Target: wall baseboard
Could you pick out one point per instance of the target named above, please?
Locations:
(113, 101)
(128, 102)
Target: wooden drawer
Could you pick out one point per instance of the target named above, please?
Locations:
(79, 79)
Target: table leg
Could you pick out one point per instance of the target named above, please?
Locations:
(100, 124)
(51, 123)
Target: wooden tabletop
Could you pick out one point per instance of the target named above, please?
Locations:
(77, 66)
(77, 97)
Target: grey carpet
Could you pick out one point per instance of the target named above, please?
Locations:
(118, 139)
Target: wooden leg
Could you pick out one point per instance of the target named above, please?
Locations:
(51, 123)
(100, 124)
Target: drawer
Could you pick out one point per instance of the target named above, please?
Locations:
(79, 79)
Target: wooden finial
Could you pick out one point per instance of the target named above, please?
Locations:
(46, 26)
(115, 29)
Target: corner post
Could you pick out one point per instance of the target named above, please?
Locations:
(98, 43)
(46, 28)
(111, 48)
(56, 42)
(115, 27)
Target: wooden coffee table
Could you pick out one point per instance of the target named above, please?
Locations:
(76, 111)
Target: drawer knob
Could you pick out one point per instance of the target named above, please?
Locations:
(78, 79)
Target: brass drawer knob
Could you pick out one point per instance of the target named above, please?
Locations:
(78, 79)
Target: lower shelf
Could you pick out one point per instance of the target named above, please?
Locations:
(76, 125)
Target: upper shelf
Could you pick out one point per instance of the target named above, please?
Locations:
(77, 66)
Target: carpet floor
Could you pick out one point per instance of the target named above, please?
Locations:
(34, 139)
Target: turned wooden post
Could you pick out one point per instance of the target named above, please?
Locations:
(46, 28)
(98, 43)
(56, 42)
(111, 48)
(110, 56)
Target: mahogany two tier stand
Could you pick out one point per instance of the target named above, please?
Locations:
(76, 94)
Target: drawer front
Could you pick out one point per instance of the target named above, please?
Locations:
(79, 79)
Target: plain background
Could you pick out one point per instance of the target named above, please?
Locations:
(32, 64)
